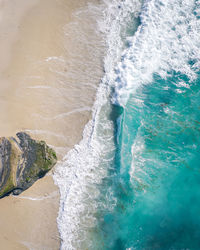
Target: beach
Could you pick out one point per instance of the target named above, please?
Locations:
(113, 87)
(50, 67)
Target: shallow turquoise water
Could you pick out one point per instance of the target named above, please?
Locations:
(158, 204)
(133, 181)
(154, 178)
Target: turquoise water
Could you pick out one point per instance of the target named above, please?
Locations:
(155, 175)
(158, 204)
(133, 181)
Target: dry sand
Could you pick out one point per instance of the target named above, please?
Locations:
(51, 63)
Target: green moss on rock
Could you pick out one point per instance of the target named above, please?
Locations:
(23, 161)
(7, 188)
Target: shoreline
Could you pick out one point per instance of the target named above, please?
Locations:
(48, 85)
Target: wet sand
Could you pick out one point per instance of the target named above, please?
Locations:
(50, 66)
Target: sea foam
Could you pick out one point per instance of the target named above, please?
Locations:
(85, 166)
(167, 40)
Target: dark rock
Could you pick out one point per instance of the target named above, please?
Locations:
(17, 191)
(23, 161)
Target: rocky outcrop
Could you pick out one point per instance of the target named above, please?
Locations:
(23, 161)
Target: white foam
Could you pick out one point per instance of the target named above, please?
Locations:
(55, 58)
(77, 177)
(39, 198)
(85, 166)
(167, 40)
(39, 87)
(40, 131)
(63, 115)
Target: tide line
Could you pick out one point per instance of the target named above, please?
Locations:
(39, 198)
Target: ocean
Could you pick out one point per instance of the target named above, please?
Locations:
(132, 182)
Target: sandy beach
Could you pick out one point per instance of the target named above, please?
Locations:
(51, 64)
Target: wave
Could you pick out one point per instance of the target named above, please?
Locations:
(167, 40)
(85, 167)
